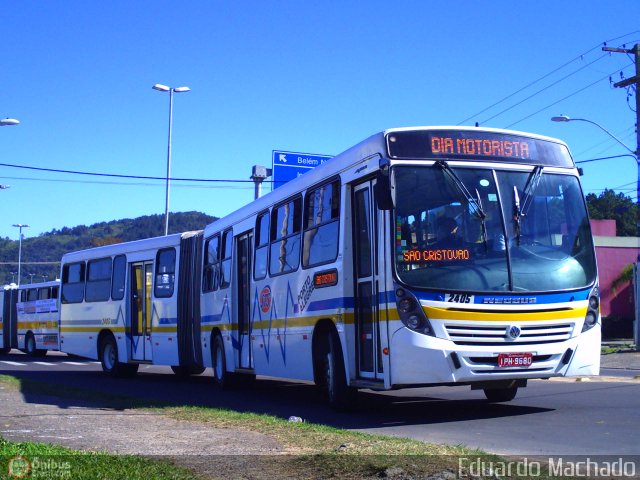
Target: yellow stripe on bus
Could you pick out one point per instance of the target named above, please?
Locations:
(37, 325)
(505, 316)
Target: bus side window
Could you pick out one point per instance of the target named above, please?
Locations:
(32, 294)
(321, 224)
(165, 273)
(73, 282)
(225, 265)
(285, 237)
(98, 280)
(262, 246)
(118, 277)
(44, 293)
(211, 270)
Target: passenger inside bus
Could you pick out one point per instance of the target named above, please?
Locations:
(447, 235)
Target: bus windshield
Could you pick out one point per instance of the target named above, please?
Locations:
(487, 230)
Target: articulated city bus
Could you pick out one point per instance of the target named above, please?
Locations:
(421, 256)
(30, 318)
(38, 318)
(8, 318)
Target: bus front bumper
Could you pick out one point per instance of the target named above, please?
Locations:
(418, 359)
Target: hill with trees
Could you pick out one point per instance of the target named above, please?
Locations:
(41, 255)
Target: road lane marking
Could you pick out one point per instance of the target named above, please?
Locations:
(17, 364)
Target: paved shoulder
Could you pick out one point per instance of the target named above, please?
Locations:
(83, 426)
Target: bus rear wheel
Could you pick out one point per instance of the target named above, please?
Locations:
(109, 360)
(30, 347)
(498, 395)
(222, 379)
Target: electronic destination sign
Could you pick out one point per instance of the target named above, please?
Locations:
(481, 145)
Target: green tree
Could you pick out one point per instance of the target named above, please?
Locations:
(617, 206)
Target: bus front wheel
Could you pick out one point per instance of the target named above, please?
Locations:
(500, 394)
(339, 394)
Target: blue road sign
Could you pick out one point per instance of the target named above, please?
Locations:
(290, 165)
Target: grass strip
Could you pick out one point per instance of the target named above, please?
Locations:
(311, 450)
(42, 460)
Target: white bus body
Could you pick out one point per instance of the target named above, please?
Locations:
(38, 317)
(8, 318)
(421, 256)
(119, 303)
(385, 308)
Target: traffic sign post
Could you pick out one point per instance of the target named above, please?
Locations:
(290, 165)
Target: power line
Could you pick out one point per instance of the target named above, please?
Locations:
(558, 101)
(115, 175)
(129, 184)
(547, 75)
(542, 90)
(605, 158)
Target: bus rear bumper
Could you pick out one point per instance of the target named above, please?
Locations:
(418, 359)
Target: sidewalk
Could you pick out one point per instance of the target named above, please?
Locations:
(626, 357)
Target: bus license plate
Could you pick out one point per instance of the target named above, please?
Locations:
(515, 359)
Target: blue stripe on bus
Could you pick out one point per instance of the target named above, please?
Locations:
(506, 299)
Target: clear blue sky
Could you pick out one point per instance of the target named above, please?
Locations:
(308, 76)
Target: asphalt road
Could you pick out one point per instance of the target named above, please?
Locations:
(552, 417)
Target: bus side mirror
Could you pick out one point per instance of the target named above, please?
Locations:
(382, 191)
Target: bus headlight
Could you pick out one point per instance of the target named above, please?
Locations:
(411, 313)
(593, 310)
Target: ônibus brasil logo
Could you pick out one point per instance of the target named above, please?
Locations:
(19, 467)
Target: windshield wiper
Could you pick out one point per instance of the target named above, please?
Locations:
(517, 213)
(529, 188)
(520, 209)
(462, 188)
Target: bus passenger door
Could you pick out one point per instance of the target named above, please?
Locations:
(140, 287)
(243, 299)
(366, 288)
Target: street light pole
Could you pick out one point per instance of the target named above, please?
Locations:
(164, 88)
(20, 226)
(564, 118)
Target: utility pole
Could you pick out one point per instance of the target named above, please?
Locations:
(623, 84)
(626, 83)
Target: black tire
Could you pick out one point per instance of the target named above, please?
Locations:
(4, 350)
(30, 347)
(341, 397)
(497, 395)
(109, 360)
(186, 371)
(223, 380)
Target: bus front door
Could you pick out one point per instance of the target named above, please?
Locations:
(243, 299)
(140, 281)
(366, 288)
